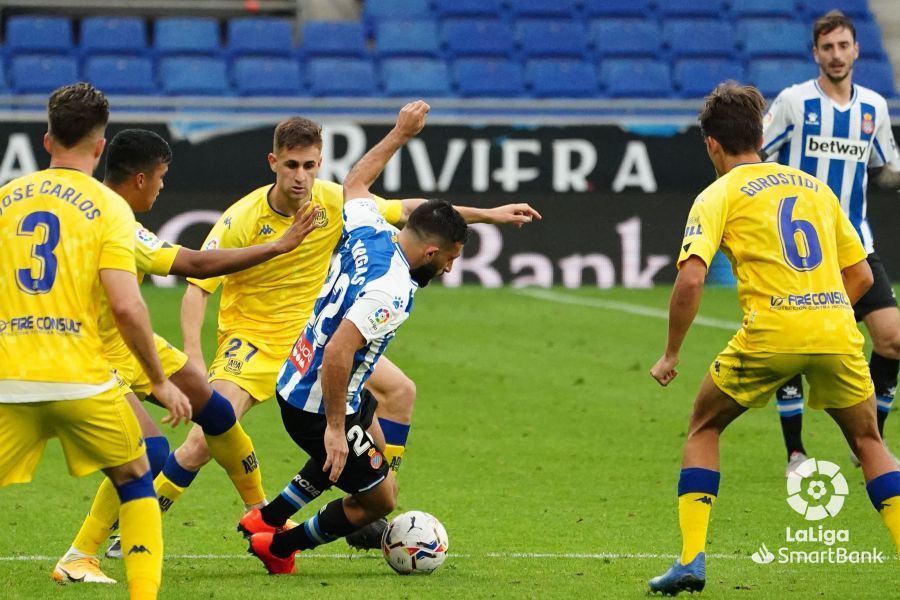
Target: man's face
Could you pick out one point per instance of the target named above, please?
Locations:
(835, 52)
(441, 262)
(153, 184)
(295, 171)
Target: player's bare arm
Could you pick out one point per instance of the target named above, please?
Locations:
(337, 363)
(410, 121)
(193, 309)
(683, 307)
(858, 279)
(133, 321)
(517, 214)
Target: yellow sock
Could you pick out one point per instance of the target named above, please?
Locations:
(99, 521)
(233, 450)
(693, 517)
(166, 492)
(142, 546)
(891, 516)
(394, 455)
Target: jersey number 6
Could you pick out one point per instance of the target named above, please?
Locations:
(790, 230)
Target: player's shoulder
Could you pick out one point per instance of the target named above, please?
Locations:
(797, 93)
(147, 238)
(328, 189)
(253, 201)
(870, 96)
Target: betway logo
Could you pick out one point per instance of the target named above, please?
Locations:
(836, 148)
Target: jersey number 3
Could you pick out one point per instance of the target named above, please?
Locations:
(799, 240)
(45, 225)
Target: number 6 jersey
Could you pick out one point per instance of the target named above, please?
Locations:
(787, 240)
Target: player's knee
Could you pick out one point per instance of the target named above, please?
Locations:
(402, 397)
(122, 474)
(888, 346)
(193, 453)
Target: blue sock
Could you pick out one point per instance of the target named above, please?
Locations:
(217, 416)
(883, 487)
(176, 473)
(142, 487)
(698, 480)
(157, 453)
(394, 433)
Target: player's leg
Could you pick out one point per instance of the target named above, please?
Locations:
(884, 328)
(789, 399)
(396, 395)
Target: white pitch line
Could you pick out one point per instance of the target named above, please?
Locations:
(626, 307)
(358, 556)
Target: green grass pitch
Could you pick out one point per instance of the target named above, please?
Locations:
(539, 440)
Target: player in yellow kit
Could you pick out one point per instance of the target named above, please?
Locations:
(136, 163)
(66, 240)
(800, 267)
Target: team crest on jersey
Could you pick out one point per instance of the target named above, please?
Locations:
(321, 219)
(234, 366)
(212, 244)
(379, 318)
(868, 124)
(146, 237)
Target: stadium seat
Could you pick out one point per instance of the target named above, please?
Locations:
(772, 76)
(333, 38)
(625, 37)
(855, 9)
(41, 74)
(542, 8)
(868, 35)
(468, 8)
(477, 37)
(266, 76)
(113, 35)
(488, 77)
(260, 36)
(179, 35)
(561, 78)
(121, 74)
(616, 8)
(415, 77)
(690, 8)
(193, 76)
(699, 37)
(556, 37)
(407, 38)
(45, 35)
(3, 84)
(636, 78)
(774, 38)
(341, 77)
(696, 77)
(877, 75)
(762, 8)
(377, 10)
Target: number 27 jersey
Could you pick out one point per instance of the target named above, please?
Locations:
(787, 240)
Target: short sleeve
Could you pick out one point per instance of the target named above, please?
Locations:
(884, 151)
(228, 232)
(375, 316)
(705, 226)
(153, 255)
(362, 212)
(777, 124)
(391, 210)
(117, 241)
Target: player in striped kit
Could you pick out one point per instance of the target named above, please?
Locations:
(840, 132)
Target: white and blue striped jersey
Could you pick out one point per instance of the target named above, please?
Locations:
(807, 130)
(369, 284)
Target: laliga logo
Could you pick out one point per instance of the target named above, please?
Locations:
(808, 490)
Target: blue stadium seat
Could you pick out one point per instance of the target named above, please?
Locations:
(542, 8)
(616, 8)
(41, 74)
(636, 78)
(415, 77)
(699, 37)
(468, 8)
(868, 35)
(488, 77)
(260, 36)
(377, 10)
(877, 75)
(477, 37)
(552, 37)
(774, 38)
(762, 8)
(855, 9)
(266, 76)
(333, 38)
(772, 76)
(561, 78)
(181, 35)
(625, 37)
(690, 8)
(3, 85)
(407, 38)
(129, 75)
(696, 77)
(45, 35)
(193, 76)
(341, 77)
(113, 35)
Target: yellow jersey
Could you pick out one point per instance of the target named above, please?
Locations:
(152, 256)
(273, 300)
(59, 228)
(788, 241)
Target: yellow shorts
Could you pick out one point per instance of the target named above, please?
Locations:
(95, 433)
(249, 363)
(131, 375)
(751, 378)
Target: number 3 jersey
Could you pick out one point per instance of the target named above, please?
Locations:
(788, 241)
(368, 284)
(59, 228)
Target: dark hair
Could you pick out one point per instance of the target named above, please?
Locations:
(74, 111)
(297, 132)
(732, 115)
(438, 220)
(135, 151)
(830, 21)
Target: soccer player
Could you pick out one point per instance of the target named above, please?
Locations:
(800, 266)
(367, 296)
(136, 163)
(67, 240)
(838, 131)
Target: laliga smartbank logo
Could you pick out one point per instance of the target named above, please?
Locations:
(816, 490)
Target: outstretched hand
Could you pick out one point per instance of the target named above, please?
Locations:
(304, 223)
(513, 214)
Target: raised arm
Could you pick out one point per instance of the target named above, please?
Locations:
(193, 310)
(508, 214)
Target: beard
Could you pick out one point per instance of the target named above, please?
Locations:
(423, 274)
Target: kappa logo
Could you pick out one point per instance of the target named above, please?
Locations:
(227, 222)
(139, 549)
(266, 230)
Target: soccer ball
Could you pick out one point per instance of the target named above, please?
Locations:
(415, 543)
